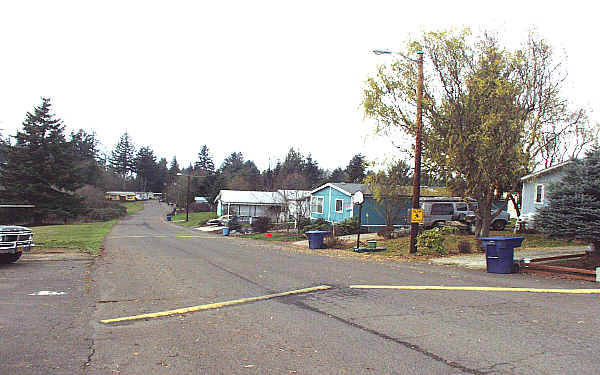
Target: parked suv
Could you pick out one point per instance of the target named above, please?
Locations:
(13, 241)
(437, 211)
(498, 223)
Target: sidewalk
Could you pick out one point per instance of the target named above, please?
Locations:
(478, 260)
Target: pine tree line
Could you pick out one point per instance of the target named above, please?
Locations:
(64, 175)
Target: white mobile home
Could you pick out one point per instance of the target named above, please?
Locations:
(535, 188)
(276, 205)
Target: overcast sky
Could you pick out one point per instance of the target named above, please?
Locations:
(252, 76)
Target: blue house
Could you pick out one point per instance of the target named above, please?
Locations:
(332, 202)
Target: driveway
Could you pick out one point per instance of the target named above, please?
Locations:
(46, 301)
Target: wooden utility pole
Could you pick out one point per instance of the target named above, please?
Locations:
(414, 227)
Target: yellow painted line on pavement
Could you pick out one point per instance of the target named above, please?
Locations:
(214, 305)
(477, 289)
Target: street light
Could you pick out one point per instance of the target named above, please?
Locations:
(414, 227)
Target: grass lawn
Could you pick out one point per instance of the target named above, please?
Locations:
(276, 236)
(195, 218)
(133, 207)
(400, 246)
(87, 237)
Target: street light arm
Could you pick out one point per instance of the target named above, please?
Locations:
(388, 52)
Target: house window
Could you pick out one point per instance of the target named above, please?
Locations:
(339, 205)
(539, 193)
(316, 205)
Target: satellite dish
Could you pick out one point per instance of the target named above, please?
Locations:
(358, 198)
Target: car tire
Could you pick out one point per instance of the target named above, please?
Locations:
(10, 258)
(499, 225)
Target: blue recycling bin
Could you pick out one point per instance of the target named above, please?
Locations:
(315, 238)
(499, 253)
(226, 231)
(168, 217)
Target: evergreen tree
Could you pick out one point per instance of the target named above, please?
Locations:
(146, 168)
(573, 209)
(294, 163)
(173, 170)
(312, 172)
(232, 164)
(162, 176)
(268, 180)
(338, 175)
(85, 150)
(122, 159)
(40, 167)
(356, 169)
(204, 165)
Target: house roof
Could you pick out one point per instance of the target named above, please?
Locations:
(294, 194)
(260, 197)
(344, 187)
(350, 189)
(547, 170)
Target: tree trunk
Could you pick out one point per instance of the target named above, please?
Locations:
(516, 206)
(483, 225)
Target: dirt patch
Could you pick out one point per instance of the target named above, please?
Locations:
(40, 253)
(586, 263)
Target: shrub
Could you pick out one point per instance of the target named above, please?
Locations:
(332, 242)
(261, 224)
(302, 222)
(280, 226)
(318, 224)
(431, 242)
(106, 214)
(348, 226)
(464, 247)
(386, 232)
(234, 224)
(199, 207)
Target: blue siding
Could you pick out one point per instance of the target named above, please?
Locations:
(325, 194)
(329, 197)
(374, 215)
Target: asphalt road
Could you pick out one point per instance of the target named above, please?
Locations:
(151, 266)
(46, 303)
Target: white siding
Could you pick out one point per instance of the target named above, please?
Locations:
(528, 204)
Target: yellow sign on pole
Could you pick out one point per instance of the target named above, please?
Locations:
(416, 215)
